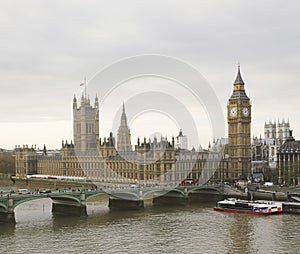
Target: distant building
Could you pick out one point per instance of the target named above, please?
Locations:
(278, 132)
(275, 135)
(288, 159)
(274, 155)
(259, 159)
(264, 151)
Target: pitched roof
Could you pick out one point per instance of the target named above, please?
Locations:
(238, 79)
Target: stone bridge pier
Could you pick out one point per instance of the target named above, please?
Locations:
(126, 201)
(7, 213)
(69, 205)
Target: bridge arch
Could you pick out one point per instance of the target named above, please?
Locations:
(162, 192)
(27, 199)
(66, 198)
(3, 208)
(88, 197)
(179, 191)
(125, 195)
(205, 189)
(176, 191)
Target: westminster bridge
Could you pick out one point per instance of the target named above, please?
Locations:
(74, 201)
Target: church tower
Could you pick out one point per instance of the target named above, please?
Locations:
(239, 127)
(124, 137)
(85, 124)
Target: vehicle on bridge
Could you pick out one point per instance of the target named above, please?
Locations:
(52, 177)
(45, 191)
(188, 182)
(23, 191)
(268, 184)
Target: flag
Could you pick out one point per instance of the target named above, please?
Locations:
(82, 84)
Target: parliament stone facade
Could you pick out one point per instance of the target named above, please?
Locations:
(154, 161)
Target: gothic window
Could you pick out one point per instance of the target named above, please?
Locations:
(280, 134)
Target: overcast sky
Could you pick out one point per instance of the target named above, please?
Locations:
(47, 47)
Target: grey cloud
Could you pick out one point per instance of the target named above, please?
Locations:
(47, 47)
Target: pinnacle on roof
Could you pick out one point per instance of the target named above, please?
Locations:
(123, 117)
(238, 79)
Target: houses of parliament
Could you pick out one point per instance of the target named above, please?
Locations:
(157, 161)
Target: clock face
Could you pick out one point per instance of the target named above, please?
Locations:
(245, 111)
(233, 111)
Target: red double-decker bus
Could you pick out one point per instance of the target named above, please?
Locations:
(188, 181)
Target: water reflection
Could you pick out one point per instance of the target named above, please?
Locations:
(7, 229)
(240, 234)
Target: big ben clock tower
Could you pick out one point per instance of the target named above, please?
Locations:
(239, 123)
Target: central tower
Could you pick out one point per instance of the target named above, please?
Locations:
(239, 128)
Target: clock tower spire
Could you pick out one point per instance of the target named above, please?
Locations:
(239, 130)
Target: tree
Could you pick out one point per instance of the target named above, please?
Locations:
(7, 163)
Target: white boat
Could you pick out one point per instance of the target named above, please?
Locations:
(259, 207)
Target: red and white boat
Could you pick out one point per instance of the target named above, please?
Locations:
(259, 207)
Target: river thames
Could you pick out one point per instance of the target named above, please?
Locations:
(190, 229)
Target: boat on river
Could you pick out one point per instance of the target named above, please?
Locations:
(258, 207)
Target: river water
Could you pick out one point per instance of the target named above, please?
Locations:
(191, 229)
(156, 229)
